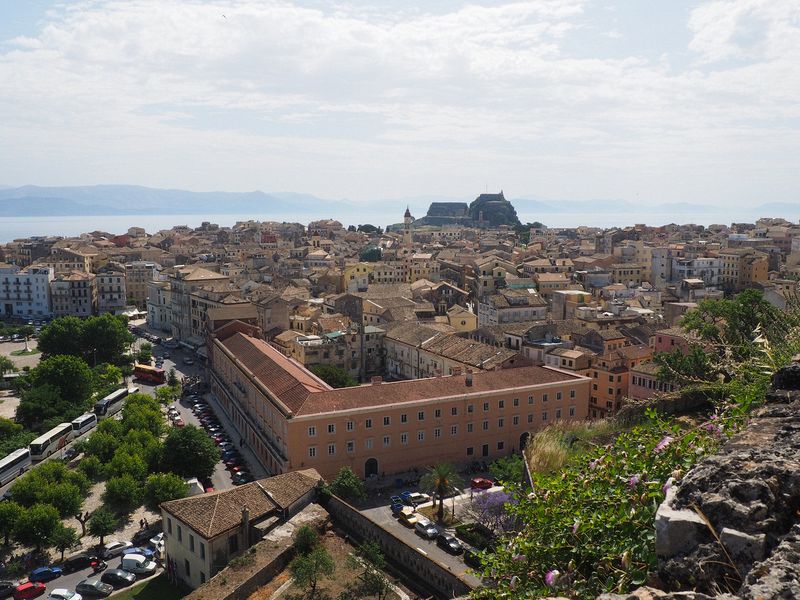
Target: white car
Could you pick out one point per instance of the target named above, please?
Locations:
(115, 548)
(64, 594)
(157, 540)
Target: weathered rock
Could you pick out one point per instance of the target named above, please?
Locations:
(648, 593)
(743, 547)
(779, 575)
(678, 531)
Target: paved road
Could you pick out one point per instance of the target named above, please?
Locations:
(382, 516)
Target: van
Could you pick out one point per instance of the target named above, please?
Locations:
(137, 564)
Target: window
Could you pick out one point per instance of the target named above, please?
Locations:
(169, 526)
(558, 414)
(544, 415)
(558, 395)
(387, 421)
(516, 401)
(572, 393)
(571, 411)
(486, 425)
(202, 550)
(331, 449)
(368, 424)
(437, 414)
(454, 411)
(610, 391)
(351, 446)
(515, 420)
(470, 408)
(421, 435)
(611, 378)
(501, 445)
(202, 577)
(312, 431)
(404, 418)
(453, 429)
(530, 399)
(530, 418)
(187, 567)
(437, 433)
(470, 427)
(485, 407)
(191, 543)
(386, 441)
(331, 428)
(368, 443)
(421, 415)
(500, 423)
(544, 397)
(404, 438)
(471, 450)
(350, 426)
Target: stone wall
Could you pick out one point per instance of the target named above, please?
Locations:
(731, 529)
(423, 571)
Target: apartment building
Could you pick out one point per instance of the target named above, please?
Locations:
(25, 292)
(742, 268)
(511, 306)
(644, 382)
(111, 290)
(183, 282)
(74, 294)
(137, 275)
(293, 420)
(65, 260)
(159, 305)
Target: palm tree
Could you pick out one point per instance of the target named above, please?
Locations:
(441, 479)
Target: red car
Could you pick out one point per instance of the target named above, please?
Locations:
(481, 483)
(29, 589)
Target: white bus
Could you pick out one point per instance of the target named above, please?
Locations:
(14, 464)
(52, 441)
(111, 404)
(83, 424)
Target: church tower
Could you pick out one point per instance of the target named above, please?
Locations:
(407, 220)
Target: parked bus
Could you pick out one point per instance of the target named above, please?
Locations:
(14, 464)
(148, 373)
(83, 424)
(111, 404)
(52, 441)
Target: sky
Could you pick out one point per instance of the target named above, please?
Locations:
(637, 100)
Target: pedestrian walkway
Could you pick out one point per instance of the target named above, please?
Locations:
(253, 464)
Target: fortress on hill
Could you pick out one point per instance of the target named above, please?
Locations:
(487, 210)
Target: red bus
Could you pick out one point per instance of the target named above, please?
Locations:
(148, 373)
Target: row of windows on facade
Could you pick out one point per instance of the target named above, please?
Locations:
(350, 445)
(437, 414)
(610, 377)
(199, 548)
(651, 384)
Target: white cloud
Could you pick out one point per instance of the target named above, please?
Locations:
(348, 100)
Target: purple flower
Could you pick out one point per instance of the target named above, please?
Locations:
(575, 526)
(518, 556)
(665, 441)
(592, 464)
(634, 481)
(667, 485)
(551, 577)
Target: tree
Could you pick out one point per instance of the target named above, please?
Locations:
(490, 509)
(13, 436)
(105, 339)
(308, 569)
(163, 487)
(70, 377)
(126, 462)
(123, 493)
(7, 365)
(64, 538)
(367, 228)
(370, 254)
(62, 336)
(52, 483)
(167, 395)
(65, 497)
(101, 445)
(306, 539)
(91, 467)
(102, 523)
(36, 526)
(373, 582)
(508, 469)
(142, 412)
(173, 381)
(189, 452)
(39, 405)
(106, 379)
(9, 515)
(441, 479)
(333, 376)
(347, 485)
(693, 367)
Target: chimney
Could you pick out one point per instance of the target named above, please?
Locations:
(246, 526)
(456, 370)
(376, 380)
(468, 378)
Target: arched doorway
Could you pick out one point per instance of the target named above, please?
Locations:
(523, 440)
(371, 467)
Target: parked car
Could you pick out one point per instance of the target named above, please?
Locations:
(94, 588)
(425, 528)
(115, 548)
(242, 477)
(29, 589)
(117, 578)
(408, 517)
(165, 355)
(7, 588)
(45, 574)
(143, 536)
(449, 543)
(187, 360)
(414, 498)
(157, 539)
(138, 565)
(179, 422)
(396, 500)
(481, 483)
(472, 558)
(78, 562)
(148, 553)
(64, 594)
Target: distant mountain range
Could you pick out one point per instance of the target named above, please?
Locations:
(100, 200)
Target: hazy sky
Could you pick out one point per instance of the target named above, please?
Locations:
(652, 100)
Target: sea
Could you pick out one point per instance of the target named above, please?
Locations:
(22, 227)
